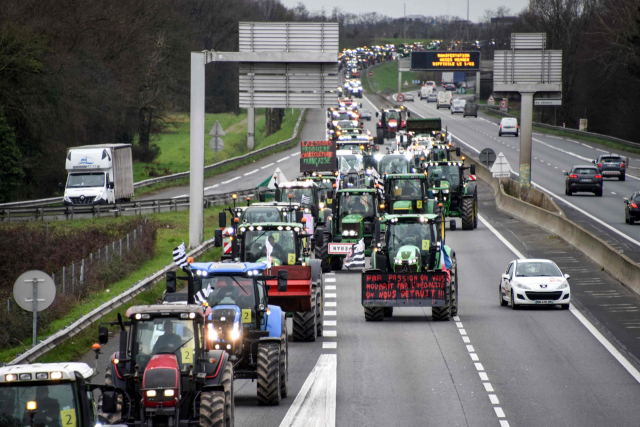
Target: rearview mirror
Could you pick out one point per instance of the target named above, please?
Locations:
(472, 169)
(376, 114)
(283, 275)
(103, 335)
(458, 151)
(170, 277)
(222, 219)
(566, 173)
(111, 186)
(217, 238)
(109, 402)
(567, 277)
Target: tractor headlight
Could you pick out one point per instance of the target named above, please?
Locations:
(151, 393)
(235, 334)
(521, 286)
(345, 233)
(352, 233)
(169, 393)
(445, 191)
(413, 260)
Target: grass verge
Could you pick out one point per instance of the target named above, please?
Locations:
(174, 230)
(386, 76)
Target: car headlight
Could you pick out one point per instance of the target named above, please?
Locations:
(564, 285)
(352, 233)
(345, 233)
(521, 286)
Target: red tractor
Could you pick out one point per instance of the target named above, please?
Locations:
(390, 122)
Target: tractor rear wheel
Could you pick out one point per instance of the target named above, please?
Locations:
(322, 253)
(305, 323)
(443, 313)
(439, 212)
(268, 373)
(468, 219)
(227, 382)
(374, 314)
(454, 285)
(112, 418)
(319, 308)
(388, 312)
(212, 412)
(284, 361)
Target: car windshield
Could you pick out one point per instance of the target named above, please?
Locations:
(588, 171)
(636, 198)
(296, 195)
(282, 241)
(56, 405)
(261, 215)
(365, 112)
(393, 164)
(357, 203)
(347, 124)
(164, 335)
(405, 189)
(79, 180)
(416, 234)
(447, 173)
(537, 269)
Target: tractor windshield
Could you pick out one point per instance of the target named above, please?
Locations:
(164, 335)
(283, 243)
(451, 174)
(393, 164)
(415, 234)
(393, 115)
(357, 204)
(438, 154)
(404, 189)
(261, 215)
(297, 195)
(348, 162)
(56, 404)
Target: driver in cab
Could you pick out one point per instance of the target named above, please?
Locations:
(169, 341)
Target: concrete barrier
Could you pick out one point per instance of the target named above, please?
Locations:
(550, 217)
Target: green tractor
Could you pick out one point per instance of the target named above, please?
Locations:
(407, 193)
(457, 194)
(355, 213)
(410, 267)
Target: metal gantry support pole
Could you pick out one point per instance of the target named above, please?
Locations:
(196, 185)
(251, 128)
(526, 128)
(399, 79)
(478, 86)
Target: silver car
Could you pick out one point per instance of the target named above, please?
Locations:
(433, 97)
(365, 115)
(409, 97)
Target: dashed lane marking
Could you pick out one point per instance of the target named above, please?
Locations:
(326, 333)
(330, 279)
(329, 323)
(209, 188)
(283, 159)
(329, 295)
(270, 164)
(329, 344)
(330, 304)
(329, 313)
(231, 180)
(252, 172)
(330, 287)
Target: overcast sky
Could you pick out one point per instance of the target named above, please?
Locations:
(414, 7)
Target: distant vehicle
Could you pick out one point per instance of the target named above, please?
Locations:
(632, 208)
(433, 97)
(409, 97)
(509, 126)
(450, 86)
(470, 109)
(612, 166)
(583, 179)
(365, 115)
(425, 91)
(534, 282)
(432, 84)
(98, 174)
(444, 100)
(457, 106)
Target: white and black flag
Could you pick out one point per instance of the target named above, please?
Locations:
(180, 256)
(355, 256)
(202, 295)
(306, 200)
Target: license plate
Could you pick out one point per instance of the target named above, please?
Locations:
(544, 301)
(610, 173)
(339, 248)
(585, 180)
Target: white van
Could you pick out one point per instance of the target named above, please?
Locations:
(444, 99)
(457, 106)
(509, 126)
(425, 91)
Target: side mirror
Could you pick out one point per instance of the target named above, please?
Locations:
(171, 282)
(377, 231)
(217, 238)
(103, 335)
(593, 161)
(111, 185)
(376, 114)
(361, 105)
(222, 219)
(323, 197)
(61, 186)
(472, 169)
(408, 113)
(262, 197)
(566, 173)
(328, 125)
(505, 276)
(109, 402)
(283, 275)
(458, 151)
(277, 198)
(299, 216)
(567, 277)
(626, 201)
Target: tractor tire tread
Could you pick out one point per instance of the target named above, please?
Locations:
(374, 314)
(305, 324)
(212, 409)
(467, 214)
(268, 373)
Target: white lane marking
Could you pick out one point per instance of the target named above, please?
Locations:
(295, 154)
(488, 386)
(470, 349)
(462, 332)
(494, 399)
(504, 423)
(474, 357)
(329, 344)
(252, 172)
(329, 313)
(330, 279)
(331, 273)
(574, 141)
(586, 159)
(329, 323)
(283, 159)
(459, 324)
(329, 287)
(484, 376)
(326, 333)
(466, 340)
(602, 151)
(209, 188)
(317, 398)
(588, 146)
(456, 318)
(479, 366)
(329, 295)
(550, 136)
(587, 324)
(183, 195)
(270, 164)
(613, 192)
(330, 304)
(499, 412)
(232, 179)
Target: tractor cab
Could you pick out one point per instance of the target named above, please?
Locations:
(447, 182)
(304, 193)
(325, 182)
(407, 194)
(351, 169)
(391, 121)
(289, 242)
(394, 164)
(356, 211)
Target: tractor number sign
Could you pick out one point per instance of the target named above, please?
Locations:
(404, 289)
(445, 61)
(318, 156)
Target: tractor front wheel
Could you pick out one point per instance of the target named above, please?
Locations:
(212, 409)
(468, 211)
(268, 373)
(227, 382)
(374, 314)
(443, 313)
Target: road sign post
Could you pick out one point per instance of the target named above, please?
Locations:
(216, 143)
(501, 167)
(34, 291)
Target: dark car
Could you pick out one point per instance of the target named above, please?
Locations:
(583, 178)
(450, 86)
(632, 208)
(612, 166)
(365, 114)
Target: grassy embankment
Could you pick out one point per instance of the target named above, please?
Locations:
(173, 231)
(174, 146)
(386, 77)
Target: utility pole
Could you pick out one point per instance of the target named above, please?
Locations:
(467, 10)
(405, 25)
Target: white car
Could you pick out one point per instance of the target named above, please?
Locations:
(534, 282)
(509, 126)
(457, 106)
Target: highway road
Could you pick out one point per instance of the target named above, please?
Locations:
(552, 155)
(491, 366)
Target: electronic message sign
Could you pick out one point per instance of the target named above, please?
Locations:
(318, 156)
(445, 61)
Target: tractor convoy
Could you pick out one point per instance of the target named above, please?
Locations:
(176, 361)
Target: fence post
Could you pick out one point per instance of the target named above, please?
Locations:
(128, 242)
(106, 254)
(134, 237)
(73, 278)
(91, 257)
(99, 254)
(82, 273)
(64, 271)
(120, 248)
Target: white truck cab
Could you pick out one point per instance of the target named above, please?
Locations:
(444, 100)
(425, 91)
(99, 174)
